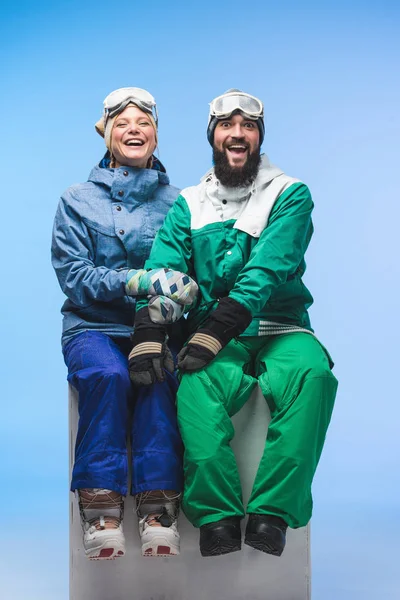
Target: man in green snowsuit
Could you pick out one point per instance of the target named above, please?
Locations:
(242, 234)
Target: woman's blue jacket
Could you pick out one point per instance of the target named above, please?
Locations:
(103, 228)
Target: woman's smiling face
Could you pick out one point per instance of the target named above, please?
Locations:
(133, 138)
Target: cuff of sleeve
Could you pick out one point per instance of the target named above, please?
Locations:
(122, 276)
(241, 301)
(132, 281)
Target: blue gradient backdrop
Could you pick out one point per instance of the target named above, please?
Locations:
(329, 76)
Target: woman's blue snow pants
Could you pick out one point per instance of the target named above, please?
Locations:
(112, 410)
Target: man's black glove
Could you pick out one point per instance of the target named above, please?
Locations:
(150, 354)
(227, 321)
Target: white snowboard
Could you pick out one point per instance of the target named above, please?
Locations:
(245, 575)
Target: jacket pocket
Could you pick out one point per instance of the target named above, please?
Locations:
(109, 250)
(104, 229)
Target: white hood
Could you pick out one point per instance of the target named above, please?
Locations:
(261, 195)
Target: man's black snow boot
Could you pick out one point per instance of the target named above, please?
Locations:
(220, 537)
(266, 533)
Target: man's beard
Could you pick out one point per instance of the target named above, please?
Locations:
(236, 176)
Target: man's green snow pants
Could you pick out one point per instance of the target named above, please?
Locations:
(294, 374)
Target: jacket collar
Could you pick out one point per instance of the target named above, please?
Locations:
(102, 173)
(266, 173)
(137, 185)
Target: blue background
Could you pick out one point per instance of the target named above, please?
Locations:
(329, 77)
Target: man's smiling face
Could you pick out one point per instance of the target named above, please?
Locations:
(236, 150)
(237, 137)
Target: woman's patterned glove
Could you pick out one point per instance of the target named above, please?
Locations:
(161, 282)
(163, 310)
(227, 321)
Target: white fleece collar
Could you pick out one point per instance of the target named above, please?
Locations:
(258, 198)
(266, 173)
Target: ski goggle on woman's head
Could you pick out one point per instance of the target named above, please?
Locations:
(118, 100)
(223, 106)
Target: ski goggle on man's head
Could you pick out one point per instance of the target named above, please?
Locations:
(223, 106)
(118, 100)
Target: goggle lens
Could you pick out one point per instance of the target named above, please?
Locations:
(224, 106)
(119, 99)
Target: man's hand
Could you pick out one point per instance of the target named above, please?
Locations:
(162, 282)
(227, 321)
(150, 355)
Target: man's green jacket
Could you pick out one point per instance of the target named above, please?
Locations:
(257, 259)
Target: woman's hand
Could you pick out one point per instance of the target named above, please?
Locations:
(164, 311)
(177, 286)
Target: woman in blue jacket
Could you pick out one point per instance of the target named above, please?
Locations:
(103, 233)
